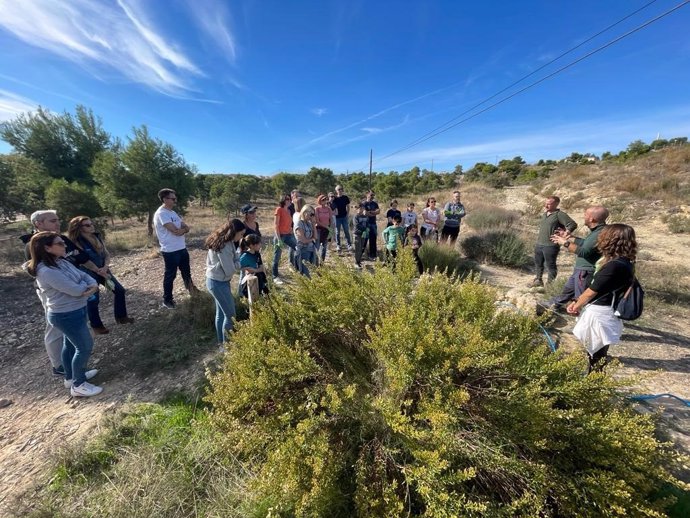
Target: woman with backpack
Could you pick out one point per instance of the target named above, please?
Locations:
(598, 327)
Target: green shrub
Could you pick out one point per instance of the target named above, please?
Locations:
(490, 217)
(446, 259)
(500, 247)
(357, 395)
(678, 223)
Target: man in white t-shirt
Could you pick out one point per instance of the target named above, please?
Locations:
(170, 230)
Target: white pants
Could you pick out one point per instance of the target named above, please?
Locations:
(598, 327)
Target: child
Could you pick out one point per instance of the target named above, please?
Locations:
(392, 235)
(251, 262)
(393, 211)
(360, 225)
(409, 217)
(413, 240)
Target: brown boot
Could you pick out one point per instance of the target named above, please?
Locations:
(100, 330)
(124, 320)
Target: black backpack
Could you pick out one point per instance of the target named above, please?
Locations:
(631, 304)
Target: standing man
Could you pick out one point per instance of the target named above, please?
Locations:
(553, 221)
(341, 207)
(47, 220)
(170, 230)
(587, 256)
(294, 196)
(372, 210)
(453, 212)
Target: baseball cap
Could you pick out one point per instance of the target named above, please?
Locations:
(246, 209)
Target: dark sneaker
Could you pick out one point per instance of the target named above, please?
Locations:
(59, 371)
(124, 320)
(169, 304)
(100, 330)
(536, 283)
(546, 307)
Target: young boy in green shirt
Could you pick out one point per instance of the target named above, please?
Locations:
(392, 236)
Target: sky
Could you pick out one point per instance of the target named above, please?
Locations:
(264, 86)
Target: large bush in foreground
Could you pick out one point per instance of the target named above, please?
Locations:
(502, 247)
(367, 395)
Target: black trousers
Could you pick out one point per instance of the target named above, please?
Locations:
(546, 255)
(451, 232)
(179, 259)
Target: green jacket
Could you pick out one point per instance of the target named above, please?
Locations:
(550, 222)
(587, 252)
(391, 236)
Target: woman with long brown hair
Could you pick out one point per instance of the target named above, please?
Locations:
(65, 289)
(221, 264)
(598, 327)
(82, 232)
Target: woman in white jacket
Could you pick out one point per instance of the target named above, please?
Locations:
(221, 264)
(66, 290)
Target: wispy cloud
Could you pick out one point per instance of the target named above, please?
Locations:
(369, 132)
(101, 37)
(213, 19)
(319, 112)
(12, 105)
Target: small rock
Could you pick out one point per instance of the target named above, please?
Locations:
(5, 402)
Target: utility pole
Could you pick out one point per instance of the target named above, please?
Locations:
(371, 161)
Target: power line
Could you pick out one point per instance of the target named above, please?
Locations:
(447, 126)
(535, 71)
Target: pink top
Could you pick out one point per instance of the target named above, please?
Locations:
(323, 216)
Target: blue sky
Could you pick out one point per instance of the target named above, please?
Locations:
(262, 86)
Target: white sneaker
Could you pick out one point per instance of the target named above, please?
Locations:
(337, 248)
(85, 390)
(278, 281)
(89, 374)
(349, 248)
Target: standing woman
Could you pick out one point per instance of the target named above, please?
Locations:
(283, 235)
(221, 264)
(82, 233)
(65, 288)
(598, 326)
(305, 233)
(431, 218)
(250, 223)
(324, 216)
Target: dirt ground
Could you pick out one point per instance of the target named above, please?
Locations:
(38, 416)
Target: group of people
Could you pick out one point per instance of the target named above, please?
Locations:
(68, 269)
(307, 230)
(604, 270)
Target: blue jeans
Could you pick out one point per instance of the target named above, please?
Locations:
(173, 261)
(77, 344)
(289, 240)
(342, 222)
(120, 306)
(308, 256)
(225, 306)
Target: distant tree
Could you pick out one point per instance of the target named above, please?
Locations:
(285, 182)
(355, 184)
(637, 148)
(23, 182)
(72, 199)
(659, 143)
(480, 171)
(234, 191)
(66, 145)
(678, 141)
(389, 186)
(606, 156)
(131, 178)
(318, 180)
